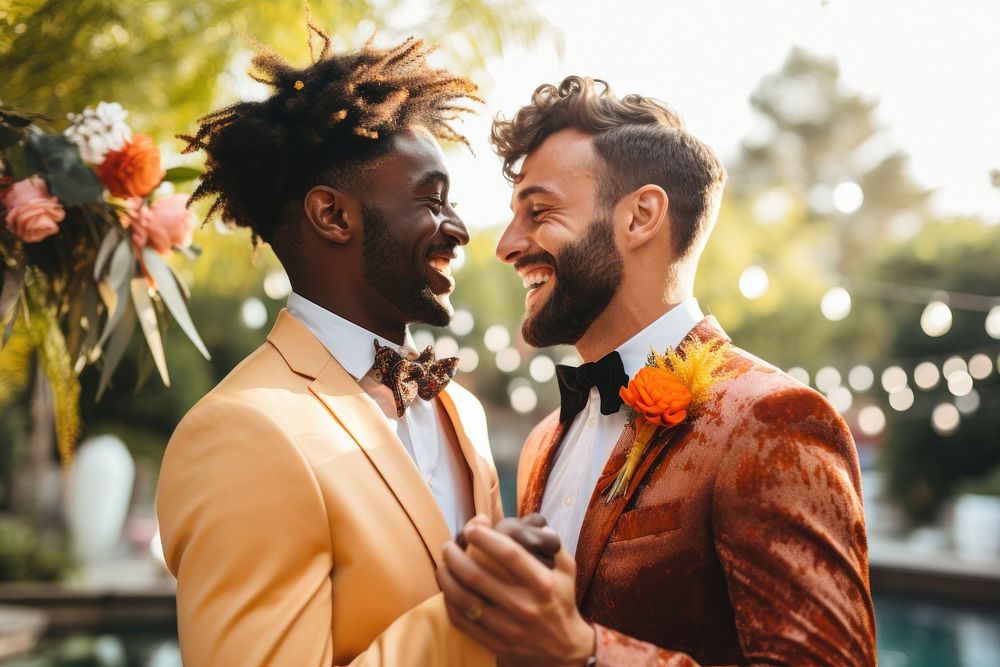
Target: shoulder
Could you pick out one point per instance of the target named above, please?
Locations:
(771, 414)
(763, 392)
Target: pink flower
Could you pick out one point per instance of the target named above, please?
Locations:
(163, 226)
(32, 213)
(138, 218)
(173, 224)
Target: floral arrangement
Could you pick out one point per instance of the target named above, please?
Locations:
(669, 389)
(83, 244)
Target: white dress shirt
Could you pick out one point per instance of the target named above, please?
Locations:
(591, 437)
(420, 430)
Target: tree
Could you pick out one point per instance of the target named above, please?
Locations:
(816, 136)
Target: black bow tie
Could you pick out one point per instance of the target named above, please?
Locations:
(607, 374)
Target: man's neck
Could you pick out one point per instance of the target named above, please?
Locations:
(392, 329)
(620, 322)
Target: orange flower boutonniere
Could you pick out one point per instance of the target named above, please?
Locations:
(663, 394)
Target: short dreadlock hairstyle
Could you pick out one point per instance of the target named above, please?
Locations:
(320, 124)
(641, 141)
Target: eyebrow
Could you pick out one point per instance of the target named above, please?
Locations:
(430, 178)
(533, 190)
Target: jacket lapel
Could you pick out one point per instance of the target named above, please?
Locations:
(601, 517)
(541, 467)
(481, 481)
(362, 418)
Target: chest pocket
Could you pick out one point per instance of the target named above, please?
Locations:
(646, 521)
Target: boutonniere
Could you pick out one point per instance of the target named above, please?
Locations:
(667, 391)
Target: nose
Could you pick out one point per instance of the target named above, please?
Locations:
(454, 228)
(512, 244)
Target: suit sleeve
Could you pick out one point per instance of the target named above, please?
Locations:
(789, 531)
(245, 532)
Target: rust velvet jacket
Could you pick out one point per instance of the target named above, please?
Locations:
(740, 540)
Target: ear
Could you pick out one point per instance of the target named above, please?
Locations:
(333, 214)
(648, 206)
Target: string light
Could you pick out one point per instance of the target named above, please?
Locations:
(893, 379)
(753, 282)
(840, 398)
(969, 403)
(936, 319)
(446, 346)
(953, 365)
(993, 322)
(836, 304)
(496, 338)
(945, 419)
(959, 383)
(800, 374)
(926, 375)
(542, 368)
(871, 420)
(901, 399)
(848, 197)
(468, 360)
(861, 378)
(508, 360)
(827, 378)
(980, 366)
(254, 313)
(462, 323)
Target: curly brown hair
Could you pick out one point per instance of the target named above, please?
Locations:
(321, 123)
(641, 141)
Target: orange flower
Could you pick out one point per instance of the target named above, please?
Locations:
(657, 396)
(135, 170)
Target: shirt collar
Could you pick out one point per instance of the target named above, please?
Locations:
(669, 330)
(350, 344)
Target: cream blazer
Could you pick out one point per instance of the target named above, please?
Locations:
(299, 529)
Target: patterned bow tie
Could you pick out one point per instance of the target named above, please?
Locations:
(607, 374)
(424, 376)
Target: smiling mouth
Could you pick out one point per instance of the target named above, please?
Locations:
(535, 278)
(440, 264)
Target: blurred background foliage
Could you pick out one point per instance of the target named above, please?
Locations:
(787, 219)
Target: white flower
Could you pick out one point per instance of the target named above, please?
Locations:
(97, 131)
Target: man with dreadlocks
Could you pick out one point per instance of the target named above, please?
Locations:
(304, 502)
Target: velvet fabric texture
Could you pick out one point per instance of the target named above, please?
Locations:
(740, 540)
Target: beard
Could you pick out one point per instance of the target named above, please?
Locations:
(588, 274)
(386, 261)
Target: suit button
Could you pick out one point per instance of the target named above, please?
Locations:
(567, 501)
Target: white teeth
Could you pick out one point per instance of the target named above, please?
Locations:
(536, 278)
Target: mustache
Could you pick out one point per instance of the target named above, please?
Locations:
(446, 248)
(537, 258)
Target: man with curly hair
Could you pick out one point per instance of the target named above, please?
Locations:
(736, 535)
(304, 501)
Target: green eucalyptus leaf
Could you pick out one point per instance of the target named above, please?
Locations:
(13, 281)
(172, 297)
(147, 321)
(58, 160)
(121, 302)
(115, 350)
(110, 242)
(122, 264)
(182, 174)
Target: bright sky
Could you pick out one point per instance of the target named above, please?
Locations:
(934, 65)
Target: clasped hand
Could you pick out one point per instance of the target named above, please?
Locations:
(512, 588)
